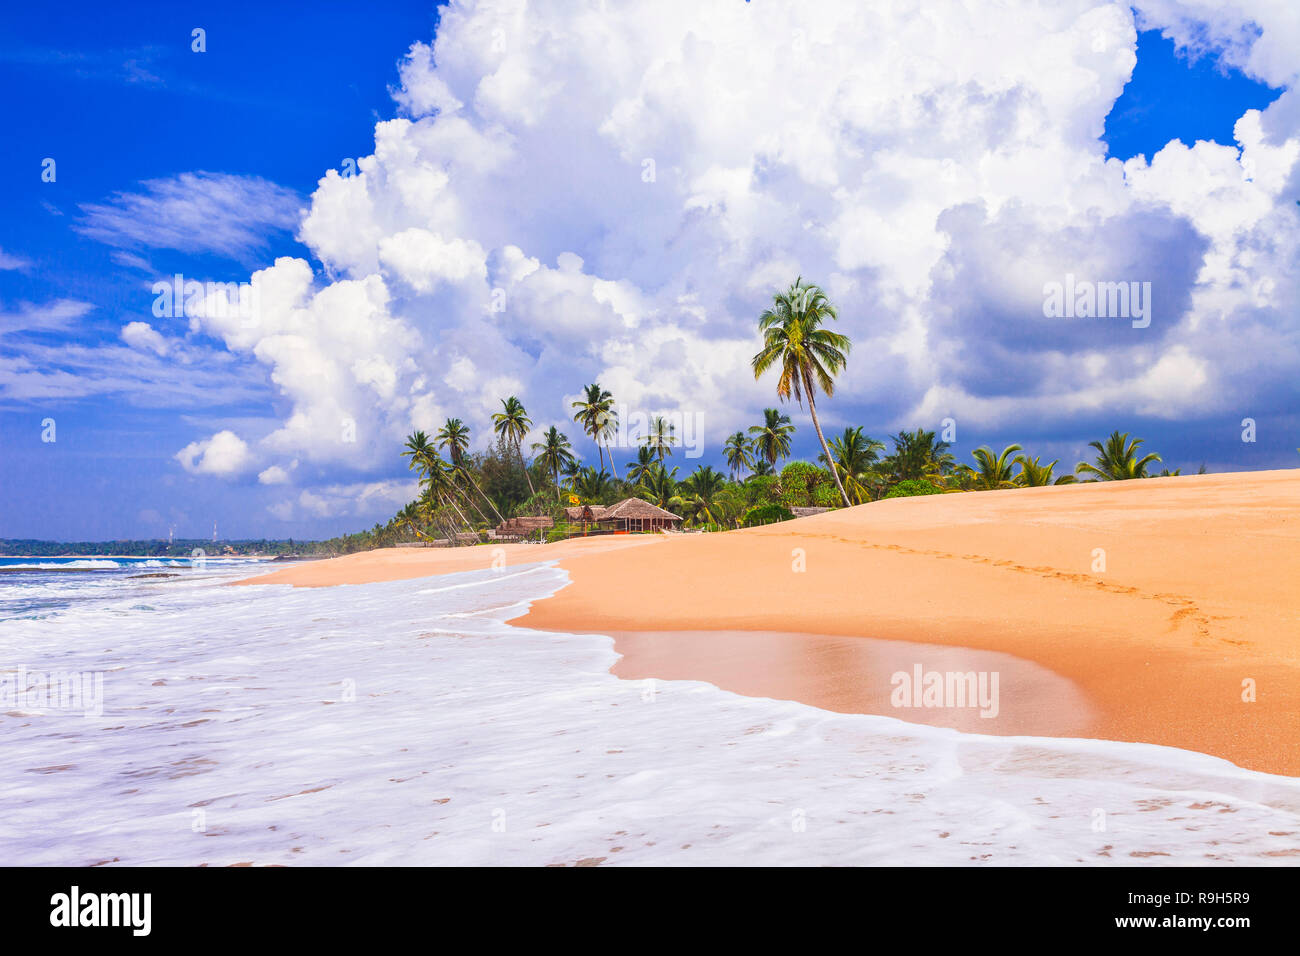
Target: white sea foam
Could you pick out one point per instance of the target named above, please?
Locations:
(403, 722)
(84, 564)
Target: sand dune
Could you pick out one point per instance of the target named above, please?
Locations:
(1199, 598)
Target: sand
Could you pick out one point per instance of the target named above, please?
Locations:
(1197, 604)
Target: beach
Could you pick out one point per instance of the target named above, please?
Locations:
(706, 699)
(1170, 605)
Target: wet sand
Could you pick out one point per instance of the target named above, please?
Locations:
(863, 675)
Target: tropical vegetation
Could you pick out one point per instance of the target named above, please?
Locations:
(463, 493)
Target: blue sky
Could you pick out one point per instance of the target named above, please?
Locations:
(116, 96)
(169, 160)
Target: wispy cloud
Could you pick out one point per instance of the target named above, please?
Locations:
(46, 317)
(199, 212)
(136, 66)
(10, 262)
(145, 368)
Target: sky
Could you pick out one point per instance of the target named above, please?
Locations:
(388, 218)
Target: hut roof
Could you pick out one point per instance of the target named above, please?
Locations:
(639, 508)
(575, 513)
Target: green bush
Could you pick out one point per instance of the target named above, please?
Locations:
(802, 483)
(913, 487)
(760, 490)
(827, 496)
(766, 514)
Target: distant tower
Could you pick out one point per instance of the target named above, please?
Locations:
(214, 532)
(171, 533)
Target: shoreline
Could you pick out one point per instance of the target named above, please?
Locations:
(1196, 602)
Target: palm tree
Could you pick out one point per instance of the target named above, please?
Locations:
(763, 468)
(591, 485)
(454, 436)
(512, 423)
(425, 458)
(659, 487)
(645, 460)
(918, 455)
(418, 450)
(772, 438)
(993, 471)
(1034, 474)
(439, 484)
(701, 489)
(660, 438)
(1117, 459)
(739, 453)
(570, 469)
(809, 356)
(854, 456)
(595, 413)
(410, 517)
(554, 453)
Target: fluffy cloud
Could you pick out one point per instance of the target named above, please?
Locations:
(275, 475)
(142, 335)
(224, 455)
(568, 197)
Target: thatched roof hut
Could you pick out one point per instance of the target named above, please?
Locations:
(585, 512)
(630, 514)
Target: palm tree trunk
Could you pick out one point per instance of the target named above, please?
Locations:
(612, 467)
(485, 497)
(471, 502)
(812, 408)
(520, 452)
(460, 514)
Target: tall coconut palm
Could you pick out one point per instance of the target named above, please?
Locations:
(993, 471)
(1034, 474)
(660, 438)
(739, 453)
(595, 413)
(854, 455)
(424, 458)
(454, 436)
(439, 483)
(772, 438)
(512, 423)
(418, 450)
(554, 454)
(1117, 459)
(808, 356)
(645, 460)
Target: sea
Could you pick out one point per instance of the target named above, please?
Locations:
(178, 720)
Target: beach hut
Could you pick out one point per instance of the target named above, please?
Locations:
(628, 515)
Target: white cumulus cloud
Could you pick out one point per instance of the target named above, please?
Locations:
(567, 197)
